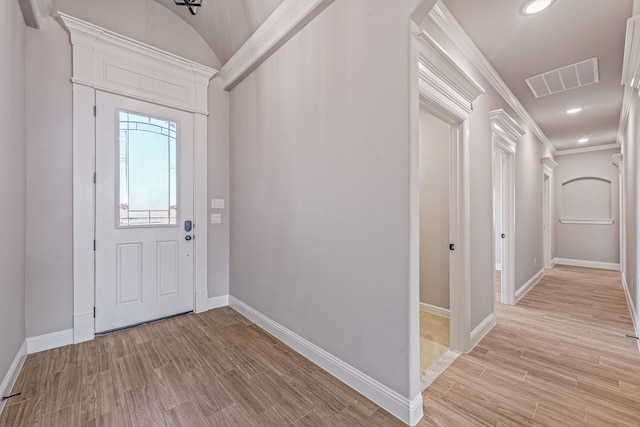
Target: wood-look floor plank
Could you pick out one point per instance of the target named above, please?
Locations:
(558, 358)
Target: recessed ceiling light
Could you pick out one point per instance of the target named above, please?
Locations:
(583, 139)
(574, 110)
(536, 6)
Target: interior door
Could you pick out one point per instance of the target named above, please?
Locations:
(144, 208)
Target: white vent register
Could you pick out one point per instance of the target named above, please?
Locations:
(572, 76)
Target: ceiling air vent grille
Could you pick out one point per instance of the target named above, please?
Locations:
(573, 76)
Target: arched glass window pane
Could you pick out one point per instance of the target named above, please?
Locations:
(147, 170)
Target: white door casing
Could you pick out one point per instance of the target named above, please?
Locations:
(505, 133)
(144, 264)
(446, 91)
(106, 61)
(548, 165)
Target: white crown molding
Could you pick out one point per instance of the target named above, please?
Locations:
(627, 99)
(548, 165)
(35, 10)
(617, 161)
(288, 18)
(114, 63)
(443, 18)
(43, 7)
(630, 70)
(631, 62)
(588, 149)
(506, 129)
(442, 78)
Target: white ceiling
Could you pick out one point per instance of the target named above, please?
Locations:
(519, 47)
(225, 24)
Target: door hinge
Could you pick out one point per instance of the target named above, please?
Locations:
(94, 177)
(94, 111)
(94, 244)
(94, 312)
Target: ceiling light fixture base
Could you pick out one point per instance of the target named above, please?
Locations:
(192, 5)
(536, 6)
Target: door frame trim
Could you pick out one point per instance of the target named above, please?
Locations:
(548, 165)
(447, 91)
(505, 133)
(106, 61)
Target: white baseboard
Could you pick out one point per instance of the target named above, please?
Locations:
(554, 261)
(83, 327)
(498, 267)
(438, 311)
(409, 411)
(524, 289)
(588, 264)
(202, 301)
(49, 341)
(632, 309)
(481, 330)
(217, 302)
(13, 372)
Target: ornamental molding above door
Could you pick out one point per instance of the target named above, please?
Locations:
(114, 63)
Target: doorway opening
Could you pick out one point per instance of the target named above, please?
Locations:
(445, 92)
(143, 256)
(499, 235)
(435, 238)
(505, 133)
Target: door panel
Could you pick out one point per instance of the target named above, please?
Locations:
(144, 193)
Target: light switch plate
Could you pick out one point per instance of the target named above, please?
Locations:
(216, 218)
(217, 203)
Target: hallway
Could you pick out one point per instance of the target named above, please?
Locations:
(558, 358)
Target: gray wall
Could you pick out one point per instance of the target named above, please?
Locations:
(49, 192)
(218, 188)
(320, 185)
(49, 281)
(12, 182)
(599, 243)
(435, 141)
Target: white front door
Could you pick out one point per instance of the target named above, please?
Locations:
(144, 206)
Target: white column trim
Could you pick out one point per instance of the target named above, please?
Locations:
(548, 165)
(106, 61)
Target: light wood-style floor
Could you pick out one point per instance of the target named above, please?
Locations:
(559, 358)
